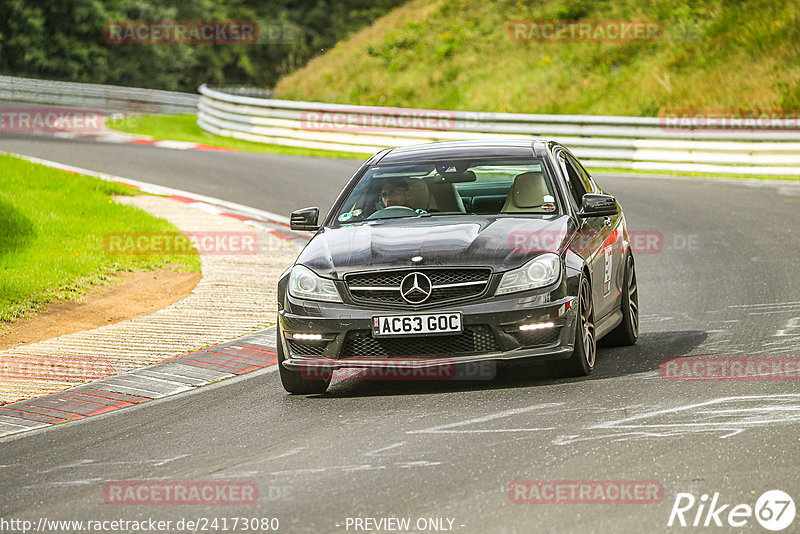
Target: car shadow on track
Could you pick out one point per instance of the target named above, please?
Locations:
(645, 356)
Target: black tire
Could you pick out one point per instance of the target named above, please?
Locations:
(627, 332)
(294, 382)
(581, 362)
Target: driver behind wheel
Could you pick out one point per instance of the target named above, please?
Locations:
(395, 192)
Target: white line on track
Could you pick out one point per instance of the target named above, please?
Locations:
(448, 428)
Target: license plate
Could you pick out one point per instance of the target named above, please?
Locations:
(411, 325)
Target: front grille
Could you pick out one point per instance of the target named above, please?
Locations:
(533, 338)
(306, 348)
(387, 285)
(474, 339)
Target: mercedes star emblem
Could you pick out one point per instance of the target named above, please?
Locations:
(416, 288)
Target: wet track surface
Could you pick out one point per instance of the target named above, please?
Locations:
(723, 283)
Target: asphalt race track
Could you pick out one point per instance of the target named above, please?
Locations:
(722, 283)
(276, 183)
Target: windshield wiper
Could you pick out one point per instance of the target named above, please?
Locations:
(390, 218)
(418, 216)
(443, 214)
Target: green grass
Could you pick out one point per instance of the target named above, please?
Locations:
(615, 170)
(458, 54)
(185, 128)
(52, 228)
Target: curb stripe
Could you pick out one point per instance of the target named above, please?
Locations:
(30, 416)
(110, 394)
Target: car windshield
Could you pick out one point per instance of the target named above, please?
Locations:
(491, 187)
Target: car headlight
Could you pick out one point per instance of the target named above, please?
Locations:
(303, 283)
(539, 272)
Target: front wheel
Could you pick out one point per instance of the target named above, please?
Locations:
(295, 382)
(581, 362)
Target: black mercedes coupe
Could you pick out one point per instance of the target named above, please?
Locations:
(455, 253)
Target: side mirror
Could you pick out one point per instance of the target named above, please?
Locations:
(595, 205)
(305, 220)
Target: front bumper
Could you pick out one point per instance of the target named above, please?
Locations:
(495, 320)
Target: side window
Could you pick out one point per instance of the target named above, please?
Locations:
(584, 176)
(574, 182)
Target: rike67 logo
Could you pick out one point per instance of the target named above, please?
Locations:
(774, 510)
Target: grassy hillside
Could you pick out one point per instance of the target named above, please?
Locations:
(458, 54)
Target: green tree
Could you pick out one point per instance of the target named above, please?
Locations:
(59, 40)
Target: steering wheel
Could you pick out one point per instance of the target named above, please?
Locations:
(393, 211)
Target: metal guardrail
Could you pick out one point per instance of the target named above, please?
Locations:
(107, 98)
(640, 143)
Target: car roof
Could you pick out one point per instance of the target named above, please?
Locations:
(489, 148)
